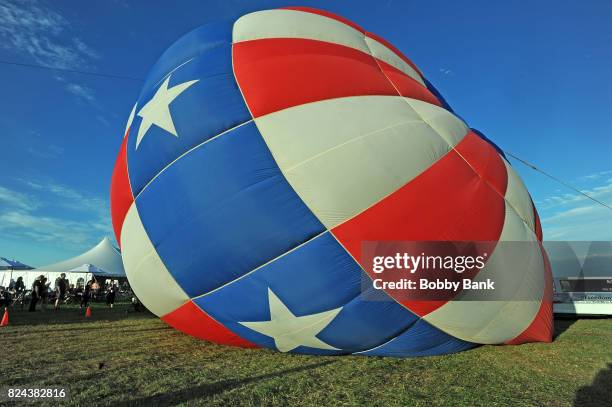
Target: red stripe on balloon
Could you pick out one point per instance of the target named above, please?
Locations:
(457, 199)
(121, 197)
(190, 319)
(277, 73)
(407, 86)
(484, 159)
(538, 224)
(343, 20)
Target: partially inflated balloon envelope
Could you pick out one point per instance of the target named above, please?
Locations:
(259, 156)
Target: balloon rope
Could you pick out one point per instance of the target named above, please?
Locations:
(560, 181)
(53, 68)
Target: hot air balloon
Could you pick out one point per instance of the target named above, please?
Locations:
(263, 151)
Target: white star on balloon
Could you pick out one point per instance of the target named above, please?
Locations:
(290, 331)
(157, 110)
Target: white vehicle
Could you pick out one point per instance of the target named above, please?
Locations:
(582, 273)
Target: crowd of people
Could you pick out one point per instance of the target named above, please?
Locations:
(62, 292)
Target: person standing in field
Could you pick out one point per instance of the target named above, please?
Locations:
(44, 294)
(87, 292)
(111, 293)
(19, 286)
(61, 286)
(95, 289)
(37, 288)
(135, 302)
(4, 298)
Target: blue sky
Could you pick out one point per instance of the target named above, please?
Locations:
(533, 76)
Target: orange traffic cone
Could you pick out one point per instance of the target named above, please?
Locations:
(4, 321)
(88, 312)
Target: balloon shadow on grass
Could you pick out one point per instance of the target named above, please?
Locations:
(73, 315)
(562, 324)
(210, 389)
(599, 393)
(118, 330)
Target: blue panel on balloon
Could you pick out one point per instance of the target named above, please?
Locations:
(202, 110)
(317, 277)
(421, 339)
(370, 322)
(191, 45)
(227, 209)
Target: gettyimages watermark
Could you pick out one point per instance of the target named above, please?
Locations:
(484, 270)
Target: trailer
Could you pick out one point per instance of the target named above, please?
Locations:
(582, 277)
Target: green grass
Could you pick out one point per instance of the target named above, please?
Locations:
(147, 363)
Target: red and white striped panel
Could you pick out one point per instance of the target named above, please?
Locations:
(500, 321)
(284, 58)
(343, 155)
(459, 197)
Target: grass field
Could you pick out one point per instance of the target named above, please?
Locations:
(134, 359)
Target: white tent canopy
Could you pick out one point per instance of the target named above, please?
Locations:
(8, 264)
(102, 260)
(93, 269)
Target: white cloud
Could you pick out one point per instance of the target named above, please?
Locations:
(32, 29)
(572, 213)
(26, 215)
(70, 198)
(103, 120)
(46, 151)
(84, 49)
(575, 217)
(17, 199)
(593, 223)
(28, 27)
(595, 175)
(45, 228)
(602, 192)
(81, 91)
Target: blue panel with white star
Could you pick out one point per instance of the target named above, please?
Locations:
(203, 110)
(316, 277)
